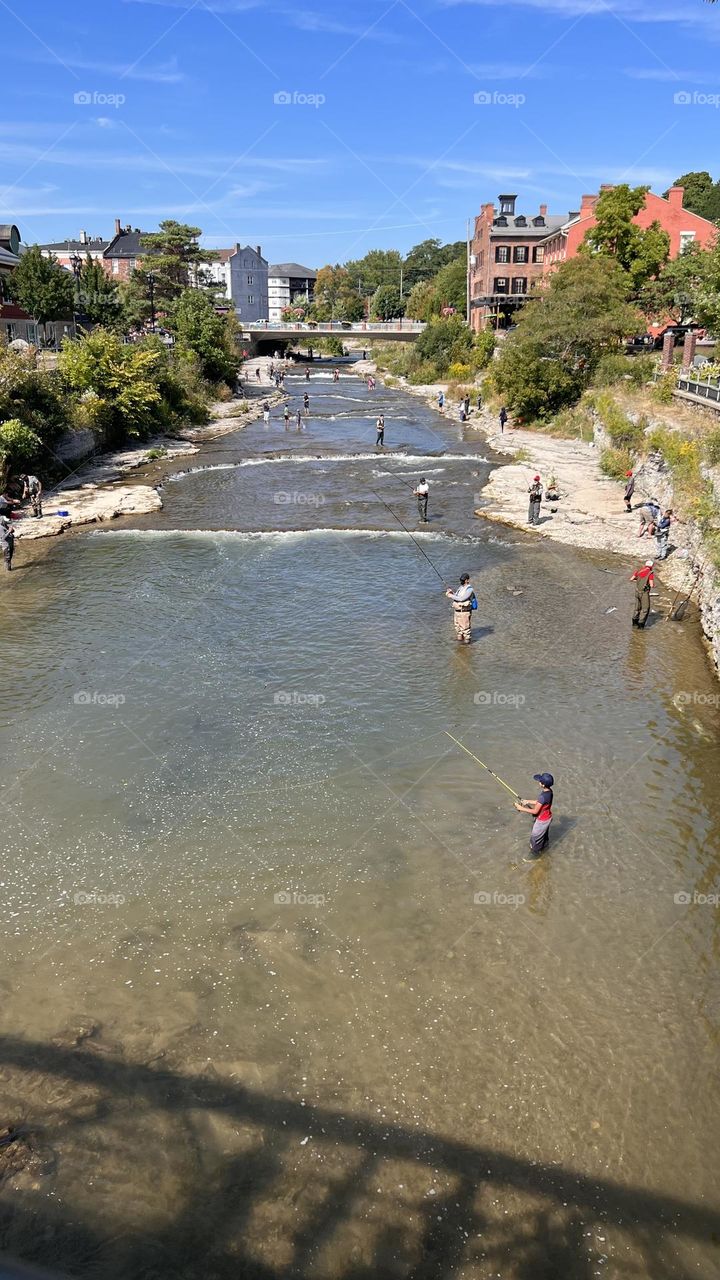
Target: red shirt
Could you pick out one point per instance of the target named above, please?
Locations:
(645, 572)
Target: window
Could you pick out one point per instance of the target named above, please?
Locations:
(251, 298)
(686, 238)
(538, 253)
(520, 253)
(507, 206)
(115, 266)
(519, 284)
(500, 284)
(521, 220)
(539, 221)
(502, 253)
(250, 280)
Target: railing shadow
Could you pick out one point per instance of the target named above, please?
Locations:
(229, 1204)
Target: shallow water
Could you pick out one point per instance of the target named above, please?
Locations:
(280, 996)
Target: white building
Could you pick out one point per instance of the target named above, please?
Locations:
(288, 282)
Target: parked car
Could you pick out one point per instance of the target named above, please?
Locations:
(678, 332)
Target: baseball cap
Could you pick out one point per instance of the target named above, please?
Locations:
(628, 474)
(546, 779)
(649, 564)
(536, 477)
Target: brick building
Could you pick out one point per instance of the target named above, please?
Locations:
(64, 251)
(506, 258)
(682, 226)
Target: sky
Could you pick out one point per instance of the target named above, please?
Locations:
(321, 132)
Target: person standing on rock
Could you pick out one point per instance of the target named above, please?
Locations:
(32, 489)
(541, 811)
(380, 428)
(479, 401)
(7, 541)
(644, 580)
(663, 533)
(441, 401)
(422, 493)
(466, 405)
(503, 419)
(463, 603)
(629, 490)
(535, 496)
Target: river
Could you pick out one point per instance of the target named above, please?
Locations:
(280, 997)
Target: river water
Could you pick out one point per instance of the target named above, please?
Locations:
(280, 996)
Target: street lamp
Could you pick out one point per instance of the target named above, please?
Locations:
(76, 265)
(151, 288)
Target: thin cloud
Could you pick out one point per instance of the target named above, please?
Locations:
(510, 70)
(309, 20)
(668, 75)
(213, 6)
(161, 73)
(629, 10)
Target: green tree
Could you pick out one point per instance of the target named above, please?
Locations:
(42, 288)
(378, 267)
(175, 259)
(445, 341)
(97, 296)
(450, 285)
(198, 328)
(423, 301)
(335, 296)
(386, 303)
(427, 258)
(676, 290)
(640, 252)
(707, 301)
(702, 195)
(562, 333)
(119, 377)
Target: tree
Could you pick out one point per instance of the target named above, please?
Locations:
(450, 285)
(42, 287)
(119, 378)
(707, 301)
(335, 296)
(423, 301)
(175, 259)
(198, 328)
(562, 333)
(378, 267)
(97, 296)
(698, 189)
(641, 253)
(386, 303)
(427, 258)
(445, 341)
(675, 292)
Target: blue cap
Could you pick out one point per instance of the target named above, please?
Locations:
(546, 779)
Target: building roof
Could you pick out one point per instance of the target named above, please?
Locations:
(127, 245)
(11, 311)
(292, 269)
(8, 259)
(529, 227)
(77, 246)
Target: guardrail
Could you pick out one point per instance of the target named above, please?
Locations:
(702, 389)
(336, 326)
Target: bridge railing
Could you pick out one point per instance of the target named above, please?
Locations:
(701, 388)
(336, 326)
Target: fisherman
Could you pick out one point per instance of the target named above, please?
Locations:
(7, 503)
(644, 580)
(266, 412)
(380, 428)
(629, 490)
(306, 402)
(286, 416)
(336, 377)
(32, 489)
(541, 811)
(257, 373)
(441, 401)
(649, 516)
(479, 401)
(7, 541)
(421, 493)
(663, 533)
(298, 420)
(307, 375)
(466, 406)
(503, 419)
(535, 495)
(464, 602)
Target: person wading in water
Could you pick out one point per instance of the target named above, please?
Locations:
(380, 428)
(644, 580)
(541, 811)
(464, 602)
(422, 493)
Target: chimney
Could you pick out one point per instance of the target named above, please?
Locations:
(574, 213)
(587, 205)
(675, 197)
(606, 186)
(543, 211)
(83, 237)
(258, 250)
(118, 228)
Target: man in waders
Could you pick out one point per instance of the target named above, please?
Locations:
(380, 428)
(535, 496)
(422, 493)
(462, 608)
(32, 489)
(286, 416)
(541, 811)
(7, 540)
(644, 580)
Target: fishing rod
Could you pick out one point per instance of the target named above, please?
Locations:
(410, 535)
(677, 614)
(484, 766)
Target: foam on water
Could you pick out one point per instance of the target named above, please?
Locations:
(258, 535)
(412, 459)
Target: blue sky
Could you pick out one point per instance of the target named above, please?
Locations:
(382, 143)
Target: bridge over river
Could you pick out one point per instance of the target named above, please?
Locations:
(262, 335)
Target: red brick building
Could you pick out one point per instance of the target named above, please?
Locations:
(682, 226)
(506, 258)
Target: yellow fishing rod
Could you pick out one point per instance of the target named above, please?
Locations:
(484, 766)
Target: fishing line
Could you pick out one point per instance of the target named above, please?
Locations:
(410, 535)
(484, 766)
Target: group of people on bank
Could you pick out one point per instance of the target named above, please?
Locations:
(31, 491)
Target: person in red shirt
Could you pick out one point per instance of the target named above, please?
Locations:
(541, 811)
(644, 580)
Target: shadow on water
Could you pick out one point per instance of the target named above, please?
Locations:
(231, 1201)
